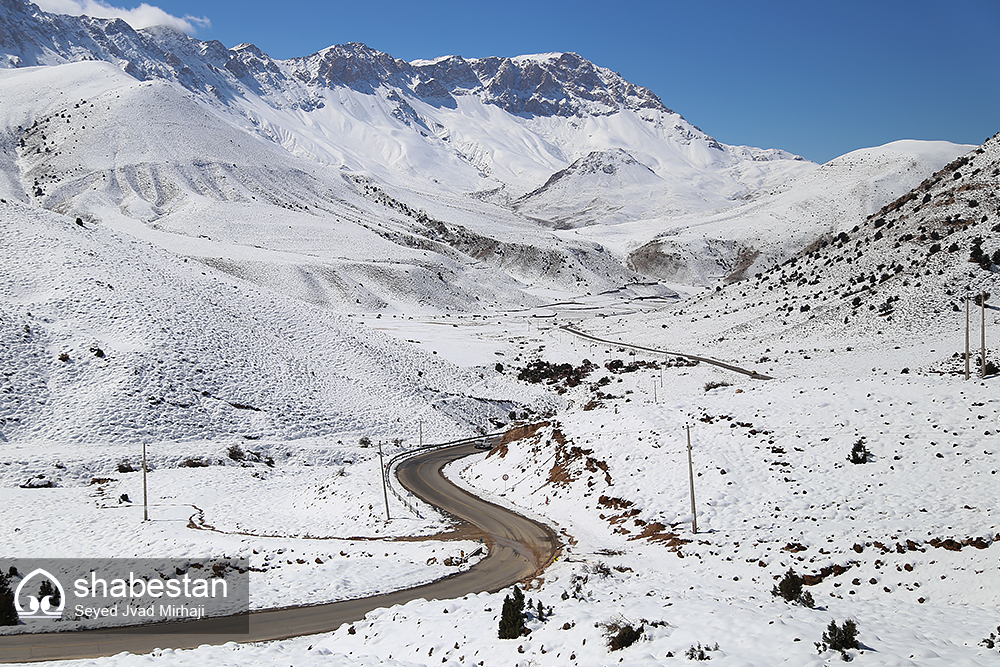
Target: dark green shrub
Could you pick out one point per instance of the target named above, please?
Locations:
(790, 588)
(840, 638)
(8, 612)
(236, 453)
(512, 616)
(859, 453)
(709, 386)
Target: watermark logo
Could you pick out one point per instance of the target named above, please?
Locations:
(48, 604)
(188, 595)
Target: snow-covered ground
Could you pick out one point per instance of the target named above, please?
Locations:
(253, 288)
(913, 528)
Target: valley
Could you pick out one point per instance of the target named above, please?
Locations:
(272, 273)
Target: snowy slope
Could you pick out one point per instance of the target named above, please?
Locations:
(901, 273)
(619, 188)
(233, 210)
(153, 161)
(110, 340)
(740, 241)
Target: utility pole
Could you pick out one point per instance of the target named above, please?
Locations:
(145, 497)
(654, 391)
(982, 305)
(420, 425)
(966, 336)
(385, 492)
(694, 515)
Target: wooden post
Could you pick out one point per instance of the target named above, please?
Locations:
(966, 336)
(145, 497)
(383, 471)
(982, 307)
(694, 515)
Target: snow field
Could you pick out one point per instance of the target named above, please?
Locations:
(312, 526)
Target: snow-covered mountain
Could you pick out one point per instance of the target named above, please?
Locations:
(739, 241)
(476, 125)
(901, 273)
(354, 182)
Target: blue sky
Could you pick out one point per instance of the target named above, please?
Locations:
(814, 77)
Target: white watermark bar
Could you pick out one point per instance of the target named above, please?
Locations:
(152, 594)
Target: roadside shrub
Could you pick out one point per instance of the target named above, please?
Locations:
(47, 589)
(840, 638)
(715, 384)
(539, 371)
(236, 453)
(365, 441)
(790, 588)
(8, 612)
(125, 466)
(859, 453)
(512, 616)
(196, 462)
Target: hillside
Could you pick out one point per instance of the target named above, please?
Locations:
(261, 268)
(735, 243)
(109, 340)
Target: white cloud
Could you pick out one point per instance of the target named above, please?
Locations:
(142, 16)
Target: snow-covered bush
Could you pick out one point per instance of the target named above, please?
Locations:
(840, 638)
(512, 616)
(790, 588)
(859, 453)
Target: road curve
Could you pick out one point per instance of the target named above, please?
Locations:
(519, 548)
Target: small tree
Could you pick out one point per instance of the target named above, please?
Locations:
(47, 589)
(8, 612)
(840, 638)
(859, 453)
(790, 588)
(512, 616)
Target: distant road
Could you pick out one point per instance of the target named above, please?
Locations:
(715, 362)
(518, 548)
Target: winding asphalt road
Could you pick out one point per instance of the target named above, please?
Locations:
(519, 549)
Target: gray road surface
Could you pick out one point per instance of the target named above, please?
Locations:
(519, 548)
